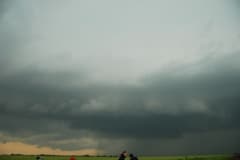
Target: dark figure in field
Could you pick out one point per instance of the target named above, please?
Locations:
(132, 157)
(236, 156)
(38, 158)
(123, 155)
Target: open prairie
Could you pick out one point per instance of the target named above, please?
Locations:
(205, 157)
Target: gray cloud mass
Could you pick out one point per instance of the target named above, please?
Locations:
(170, 110)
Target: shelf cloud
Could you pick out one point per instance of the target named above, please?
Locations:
(108, 76)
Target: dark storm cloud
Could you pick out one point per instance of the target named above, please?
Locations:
(166, 110)
(23, 97)
(218, 88)
(166, 105)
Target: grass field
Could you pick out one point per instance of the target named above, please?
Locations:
(206, 157)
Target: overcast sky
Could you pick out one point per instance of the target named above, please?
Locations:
(98, 77)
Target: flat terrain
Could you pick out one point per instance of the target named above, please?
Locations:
(206, 157)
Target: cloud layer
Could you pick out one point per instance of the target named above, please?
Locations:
(76, 77)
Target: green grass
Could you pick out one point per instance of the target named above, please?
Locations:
(200, 157)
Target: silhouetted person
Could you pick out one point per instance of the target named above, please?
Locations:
(236, 156)
(39, 158)
(123, 155)
(132, 157)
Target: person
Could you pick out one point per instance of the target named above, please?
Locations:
(133, 157)
(39, 158)
(123, 155)
(72, 158)
(236, 156)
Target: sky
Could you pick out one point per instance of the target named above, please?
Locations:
(159, 77)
